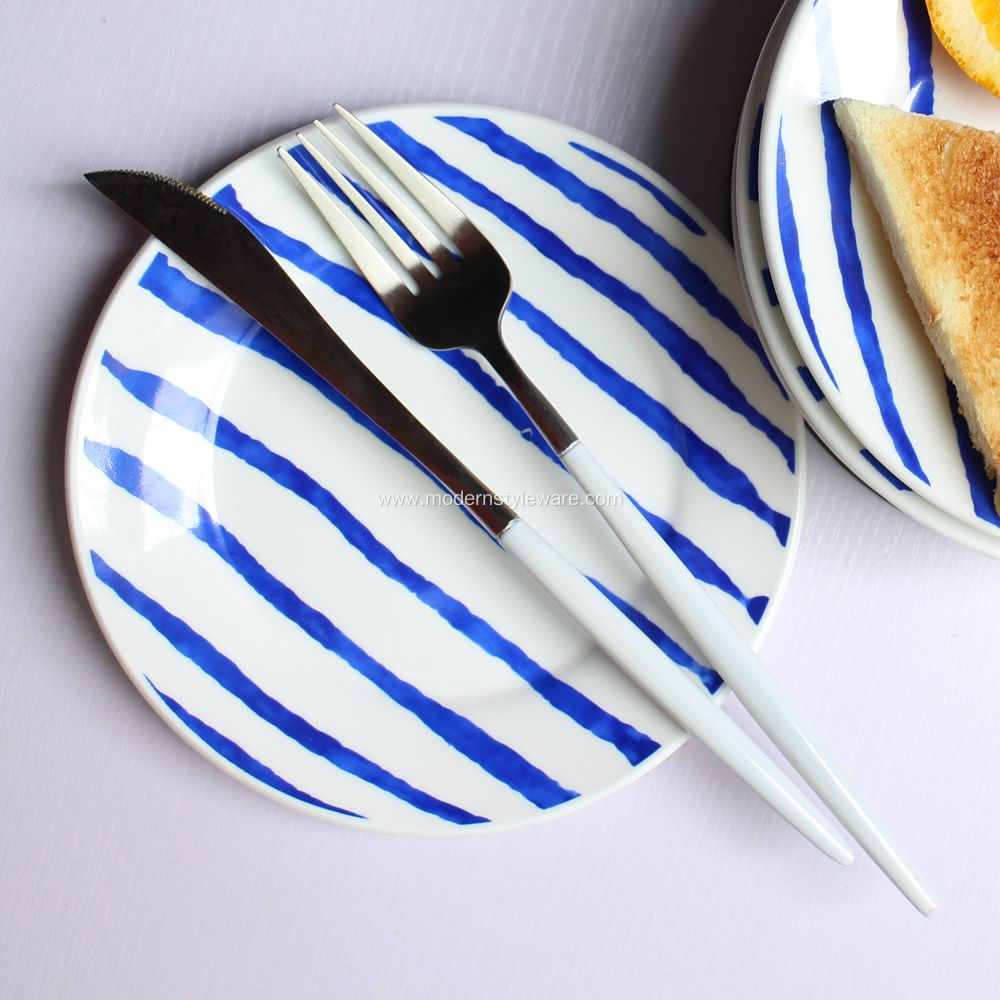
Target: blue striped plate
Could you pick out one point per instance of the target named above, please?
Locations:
(838, 286)
(759, 289)
(297, 599)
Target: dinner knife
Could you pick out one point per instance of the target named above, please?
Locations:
(220, 247)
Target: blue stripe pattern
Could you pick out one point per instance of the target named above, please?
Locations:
(810, 383)
(216, 314)
(706, 463)
(500, 398)
(708, 677)
(219, 316)
(355, 289)
(981, 487)
(701, 565)
(838, 182)
(501, 761)
(789, 230)
(695, 282)
(883, 471)
(769, 289)
(302, 156)
(666, 202)
(238, 757)
(687, 353)
(918, 44)
(348, 283)
(172, 402)
(221, 669)
(838, 179)
(709, 465)
(495, 393)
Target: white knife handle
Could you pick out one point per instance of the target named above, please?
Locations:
(744, 672)
(685, 700)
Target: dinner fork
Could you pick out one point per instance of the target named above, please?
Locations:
(454, 298)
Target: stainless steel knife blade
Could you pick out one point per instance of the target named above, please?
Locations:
(221, 248)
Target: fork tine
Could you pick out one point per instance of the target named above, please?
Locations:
(411, 221)
(436, 203)
(393, 241)
(375, 268)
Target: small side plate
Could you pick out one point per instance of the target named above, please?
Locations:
(301, 604)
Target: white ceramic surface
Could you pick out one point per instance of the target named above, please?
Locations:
(778, 340)
(296, 599)
(845, 302)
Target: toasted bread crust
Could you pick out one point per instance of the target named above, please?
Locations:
(936, 185)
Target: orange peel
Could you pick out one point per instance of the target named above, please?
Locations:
(970, 31)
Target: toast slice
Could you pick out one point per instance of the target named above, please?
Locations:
(936, 186)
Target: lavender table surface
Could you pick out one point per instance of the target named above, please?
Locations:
(130, 868)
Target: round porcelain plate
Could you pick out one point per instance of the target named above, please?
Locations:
(297, 599)
(839, 288)
(757, 285)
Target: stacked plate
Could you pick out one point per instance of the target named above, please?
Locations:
(830, 304)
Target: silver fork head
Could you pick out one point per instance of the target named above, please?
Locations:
(448, 299)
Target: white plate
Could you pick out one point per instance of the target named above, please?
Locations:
(759, 290)
(840, 290)
(293, 596)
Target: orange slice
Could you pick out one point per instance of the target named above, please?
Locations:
(970, 31)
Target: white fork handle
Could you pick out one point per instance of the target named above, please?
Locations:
(745, 673)
(685, 700)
